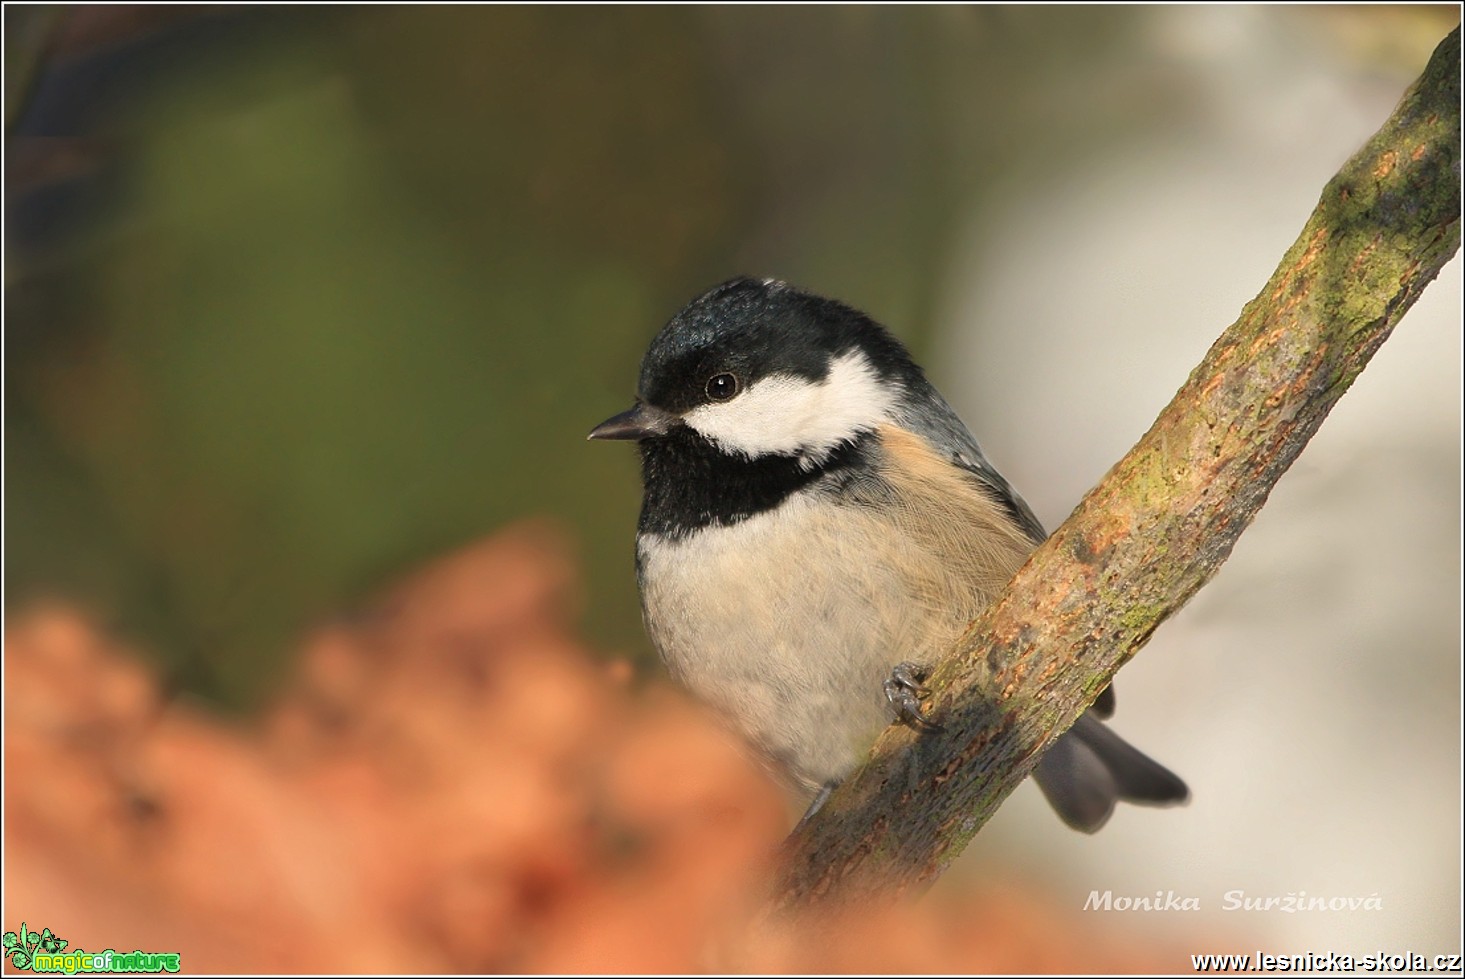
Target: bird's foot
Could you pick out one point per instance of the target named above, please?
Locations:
(904, 689)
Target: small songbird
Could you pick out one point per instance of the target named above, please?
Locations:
(817, 524)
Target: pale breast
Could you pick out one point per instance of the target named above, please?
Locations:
(789, 621)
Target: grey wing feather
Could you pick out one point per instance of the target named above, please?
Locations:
(935, 421)
(929, 416)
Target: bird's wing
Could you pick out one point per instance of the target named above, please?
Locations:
(939, 425)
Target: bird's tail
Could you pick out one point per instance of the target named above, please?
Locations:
(1091, 768)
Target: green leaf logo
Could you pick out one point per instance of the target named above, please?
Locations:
(21, 947)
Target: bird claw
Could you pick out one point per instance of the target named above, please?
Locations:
(819, 799)
(904, 690)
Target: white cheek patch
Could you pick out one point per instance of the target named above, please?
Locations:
(788, 415)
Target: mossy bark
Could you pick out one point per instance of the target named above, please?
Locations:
(1160, 523)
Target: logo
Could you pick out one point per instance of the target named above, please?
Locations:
(21, 948)
(45, 951)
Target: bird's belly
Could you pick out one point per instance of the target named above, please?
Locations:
(790, 621)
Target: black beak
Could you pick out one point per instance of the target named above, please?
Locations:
(642, 421)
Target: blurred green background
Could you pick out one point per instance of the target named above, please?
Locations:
(298, 297)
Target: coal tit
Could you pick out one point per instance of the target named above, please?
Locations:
(816, 523)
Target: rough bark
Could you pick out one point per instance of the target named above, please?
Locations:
(1160, 523)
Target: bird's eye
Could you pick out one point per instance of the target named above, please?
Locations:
(721, 387)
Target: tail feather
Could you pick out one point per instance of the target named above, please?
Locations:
(1090, 769)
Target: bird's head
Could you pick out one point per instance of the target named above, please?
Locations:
(760, 369)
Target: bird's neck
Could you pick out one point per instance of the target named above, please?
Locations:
(691, 484)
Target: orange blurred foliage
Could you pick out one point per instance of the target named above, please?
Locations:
(452, 783)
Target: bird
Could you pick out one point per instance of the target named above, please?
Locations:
(817, 524)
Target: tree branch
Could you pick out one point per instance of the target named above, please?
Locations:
(1160, 523)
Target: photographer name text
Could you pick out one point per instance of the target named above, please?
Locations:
(1292, 902)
